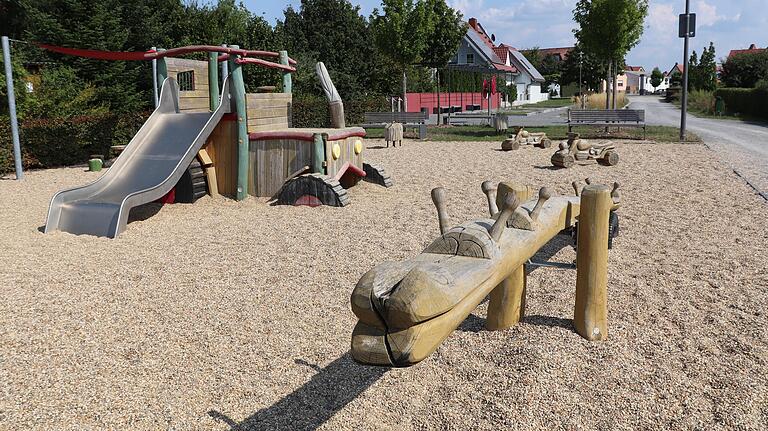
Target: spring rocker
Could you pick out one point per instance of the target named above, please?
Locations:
(406, 309)
(204, 138)
(578, 151)
(524, 137)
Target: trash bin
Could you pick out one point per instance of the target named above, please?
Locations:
(95, 165)
(719, 105)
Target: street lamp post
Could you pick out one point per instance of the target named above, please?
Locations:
(684, 98)
(581, 93)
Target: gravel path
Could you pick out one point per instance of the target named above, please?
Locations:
(743, 144)
(224, 314)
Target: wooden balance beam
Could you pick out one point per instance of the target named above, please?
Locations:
(406, 309)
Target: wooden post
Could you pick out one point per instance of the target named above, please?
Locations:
(507, 304)
(213, 80)
(287, 84)
(591, 310)
(318, 153)
(162, 69)
(238, 90)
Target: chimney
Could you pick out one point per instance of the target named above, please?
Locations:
(473, 23)
(752, 46)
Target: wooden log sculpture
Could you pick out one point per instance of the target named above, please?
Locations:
(500, 123)
(524, 137)
(578, 151)
(335, 105)
(406, 309)
(393, 132)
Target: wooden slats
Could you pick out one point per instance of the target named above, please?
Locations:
(272, 162)
(399, 117)
(222, 149)
(268, 111)
(618, 115)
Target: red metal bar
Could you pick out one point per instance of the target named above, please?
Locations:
(308, 135)
(265, 63)
(151, 55)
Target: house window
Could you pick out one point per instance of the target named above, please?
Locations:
(621, 84)
(470, 58)
(666, 81)
(186, 80)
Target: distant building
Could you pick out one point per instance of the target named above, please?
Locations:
(753, 49)
(479, 52)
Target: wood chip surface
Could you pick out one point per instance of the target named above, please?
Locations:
(225, 314)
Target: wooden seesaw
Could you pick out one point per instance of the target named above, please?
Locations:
(406, 309)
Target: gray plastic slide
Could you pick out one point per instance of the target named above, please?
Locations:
(148, 168)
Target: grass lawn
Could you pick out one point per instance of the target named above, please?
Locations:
(485, 133)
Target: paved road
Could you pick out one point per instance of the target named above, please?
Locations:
(743, 145)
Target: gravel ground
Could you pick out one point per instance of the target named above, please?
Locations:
(223, 315)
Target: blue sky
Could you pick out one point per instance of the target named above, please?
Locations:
(730, 24)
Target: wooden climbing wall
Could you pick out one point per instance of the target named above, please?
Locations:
(222, 148)
(272, 162)
(268, 111)
(196, 100)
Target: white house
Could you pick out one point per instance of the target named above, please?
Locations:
(478, 52)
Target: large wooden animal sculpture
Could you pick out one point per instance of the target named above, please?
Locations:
(406, 309)
(524, 137)
(578, 151)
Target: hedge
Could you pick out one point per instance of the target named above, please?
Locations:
(310, 111)
(749, 102)
(48, 143)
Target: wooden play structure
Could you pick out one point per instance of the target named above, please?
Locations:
(524, 137)
(578, 151)
(406, 309)
(257, 152)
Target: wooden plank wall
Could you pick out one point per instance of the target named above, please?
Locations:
(347, 155)
(191, 101)
(271, 162)
(222, 148)
(269, 111)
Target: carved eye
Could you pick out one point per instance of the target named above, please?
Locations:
(358, 146)
(336, 151)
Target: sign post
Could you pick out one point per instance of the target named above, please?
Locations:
(687, 31)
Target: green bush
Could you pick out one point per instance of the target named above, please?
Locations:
(312, 111)
(749, 102)
(702, 101)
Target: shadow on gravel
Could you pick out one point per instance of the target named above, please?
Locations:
(311, 405)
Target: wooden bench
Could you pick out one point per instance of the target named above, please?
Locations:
(408, 119)
(606, 117)
(471, 118)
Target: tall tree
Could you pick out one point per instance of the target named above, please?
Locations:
(334, 32)
(656, 78)
(609, 29)
(443, 41)
(706, 72)
(745, 70)
(401, 33)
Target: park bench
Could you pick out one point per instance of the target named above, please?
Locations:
(481, 117)
(606, 117)
(408, 119)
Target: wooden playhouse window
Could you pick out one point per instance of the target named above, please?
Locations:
(186, 80)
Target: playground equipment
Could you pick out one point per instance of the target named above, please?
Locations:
(524, 137)
(406, 309)
(393, 132)
(578, 151)
(236, 144)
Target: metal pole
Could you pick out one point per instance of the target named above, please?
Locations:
(581, 92)
(12, 108)
(684, 100)
(154, 78)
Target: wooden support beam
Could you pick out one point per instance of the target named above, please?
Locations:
(238, 93)
(507, 304)
(287, 84)
(213, 80)
(162, 69)
(318, 154)
(590, 316)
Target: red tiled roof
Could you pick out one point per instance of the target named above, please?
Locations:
(505, 68)
(635, 68)
(475, 25)
(751, 50)
(560, 52)
(502, 52)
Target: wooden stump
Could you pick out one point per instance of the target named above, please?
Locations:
(393, 132)
(501, 123)
(507, 304)
(591, 310)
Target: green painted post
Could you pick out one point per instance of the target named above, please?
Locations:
(162, 69)
(318, 154)
(238, 92)
(213, 79)
(287, 84)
